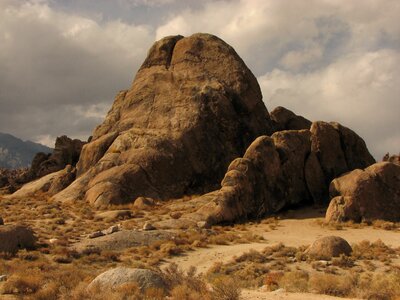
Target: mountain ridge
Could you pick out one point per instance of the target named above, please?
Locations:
(17, 153)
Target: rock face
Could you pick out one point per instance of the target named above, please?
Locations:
(113, 278)
(392, 158)
(290, 168)
(51, 183)
(66, 152)
(369, 194)
(193, 107)
(328, 247)
(15, 237)
(284, 119)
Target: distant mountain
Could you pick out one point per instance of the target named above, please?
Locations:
(16, 153)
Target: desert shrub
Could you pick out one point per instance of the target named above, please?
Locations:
(272, 280)
(376, 250)
(225, 289)
(381, 286)
(343, 261)
(294, 281)
(21, 284)
(329, 284)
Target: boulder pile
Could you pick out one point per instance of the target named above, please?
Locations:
(366, 195)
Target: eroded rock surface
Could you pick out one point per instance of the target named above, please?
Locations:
(193, 107)
(116, 277)
(290, 168)
(369, 194)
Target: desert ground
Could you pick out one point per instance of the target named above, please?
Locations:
(66, 261)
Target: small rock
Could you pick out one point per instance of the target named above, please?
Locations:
(144, 203)
(112, 229)
(3, 278)
(113, 215)
(175, 214)
(53, 241)
(148, 226)
(96, 234)
(203, 224)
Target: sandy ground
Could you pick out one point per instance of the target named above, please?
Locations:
(300, 228)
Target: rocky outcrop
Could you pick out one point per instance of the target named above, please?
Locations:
(284, 119)
(51, 183)
(369, 194)
(193, 107)
(66, 152)
(328, 247)
(112, 279)
(392, 158)
(290, 168)
(15, 237)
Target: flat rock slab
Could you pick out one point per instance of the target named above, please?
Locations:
(123, 239)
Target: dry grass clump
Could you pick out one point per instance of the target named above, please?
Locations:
(251, 268)
(377, 224)
(386, 225)
(374, 251)
(191, 286)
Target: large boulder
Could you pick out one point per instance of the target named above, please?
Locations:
(369, 194)
(328, 247)
(15, 237)
(111, 279)
(193, 107)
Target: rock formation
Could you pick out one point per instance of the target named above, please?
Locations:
(369, 194)
(290, 168)
(284, 119)
(66, 152)
(193, 107)
(392, 158)
(195, 110)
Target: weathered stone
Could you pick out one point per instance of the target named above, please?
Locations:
(15, 237)
(114, 278)
(144, 203)
(326, 144)
(328, 247)
(193, 107)
(369, 194)
(284, 119)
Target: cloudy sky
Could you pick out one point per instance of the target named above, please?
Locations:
(62, 61)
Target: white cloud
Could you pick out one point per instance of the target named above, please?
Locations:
(360, 90)
(325, 59)
(55, 65)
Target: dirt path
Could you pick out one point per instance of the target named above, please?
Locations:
(302, 230)
(297, 230)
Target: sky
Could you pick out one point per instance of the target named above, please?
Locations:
(63, 61)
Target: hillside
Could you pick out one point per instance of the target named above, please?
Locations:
(16, 153)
